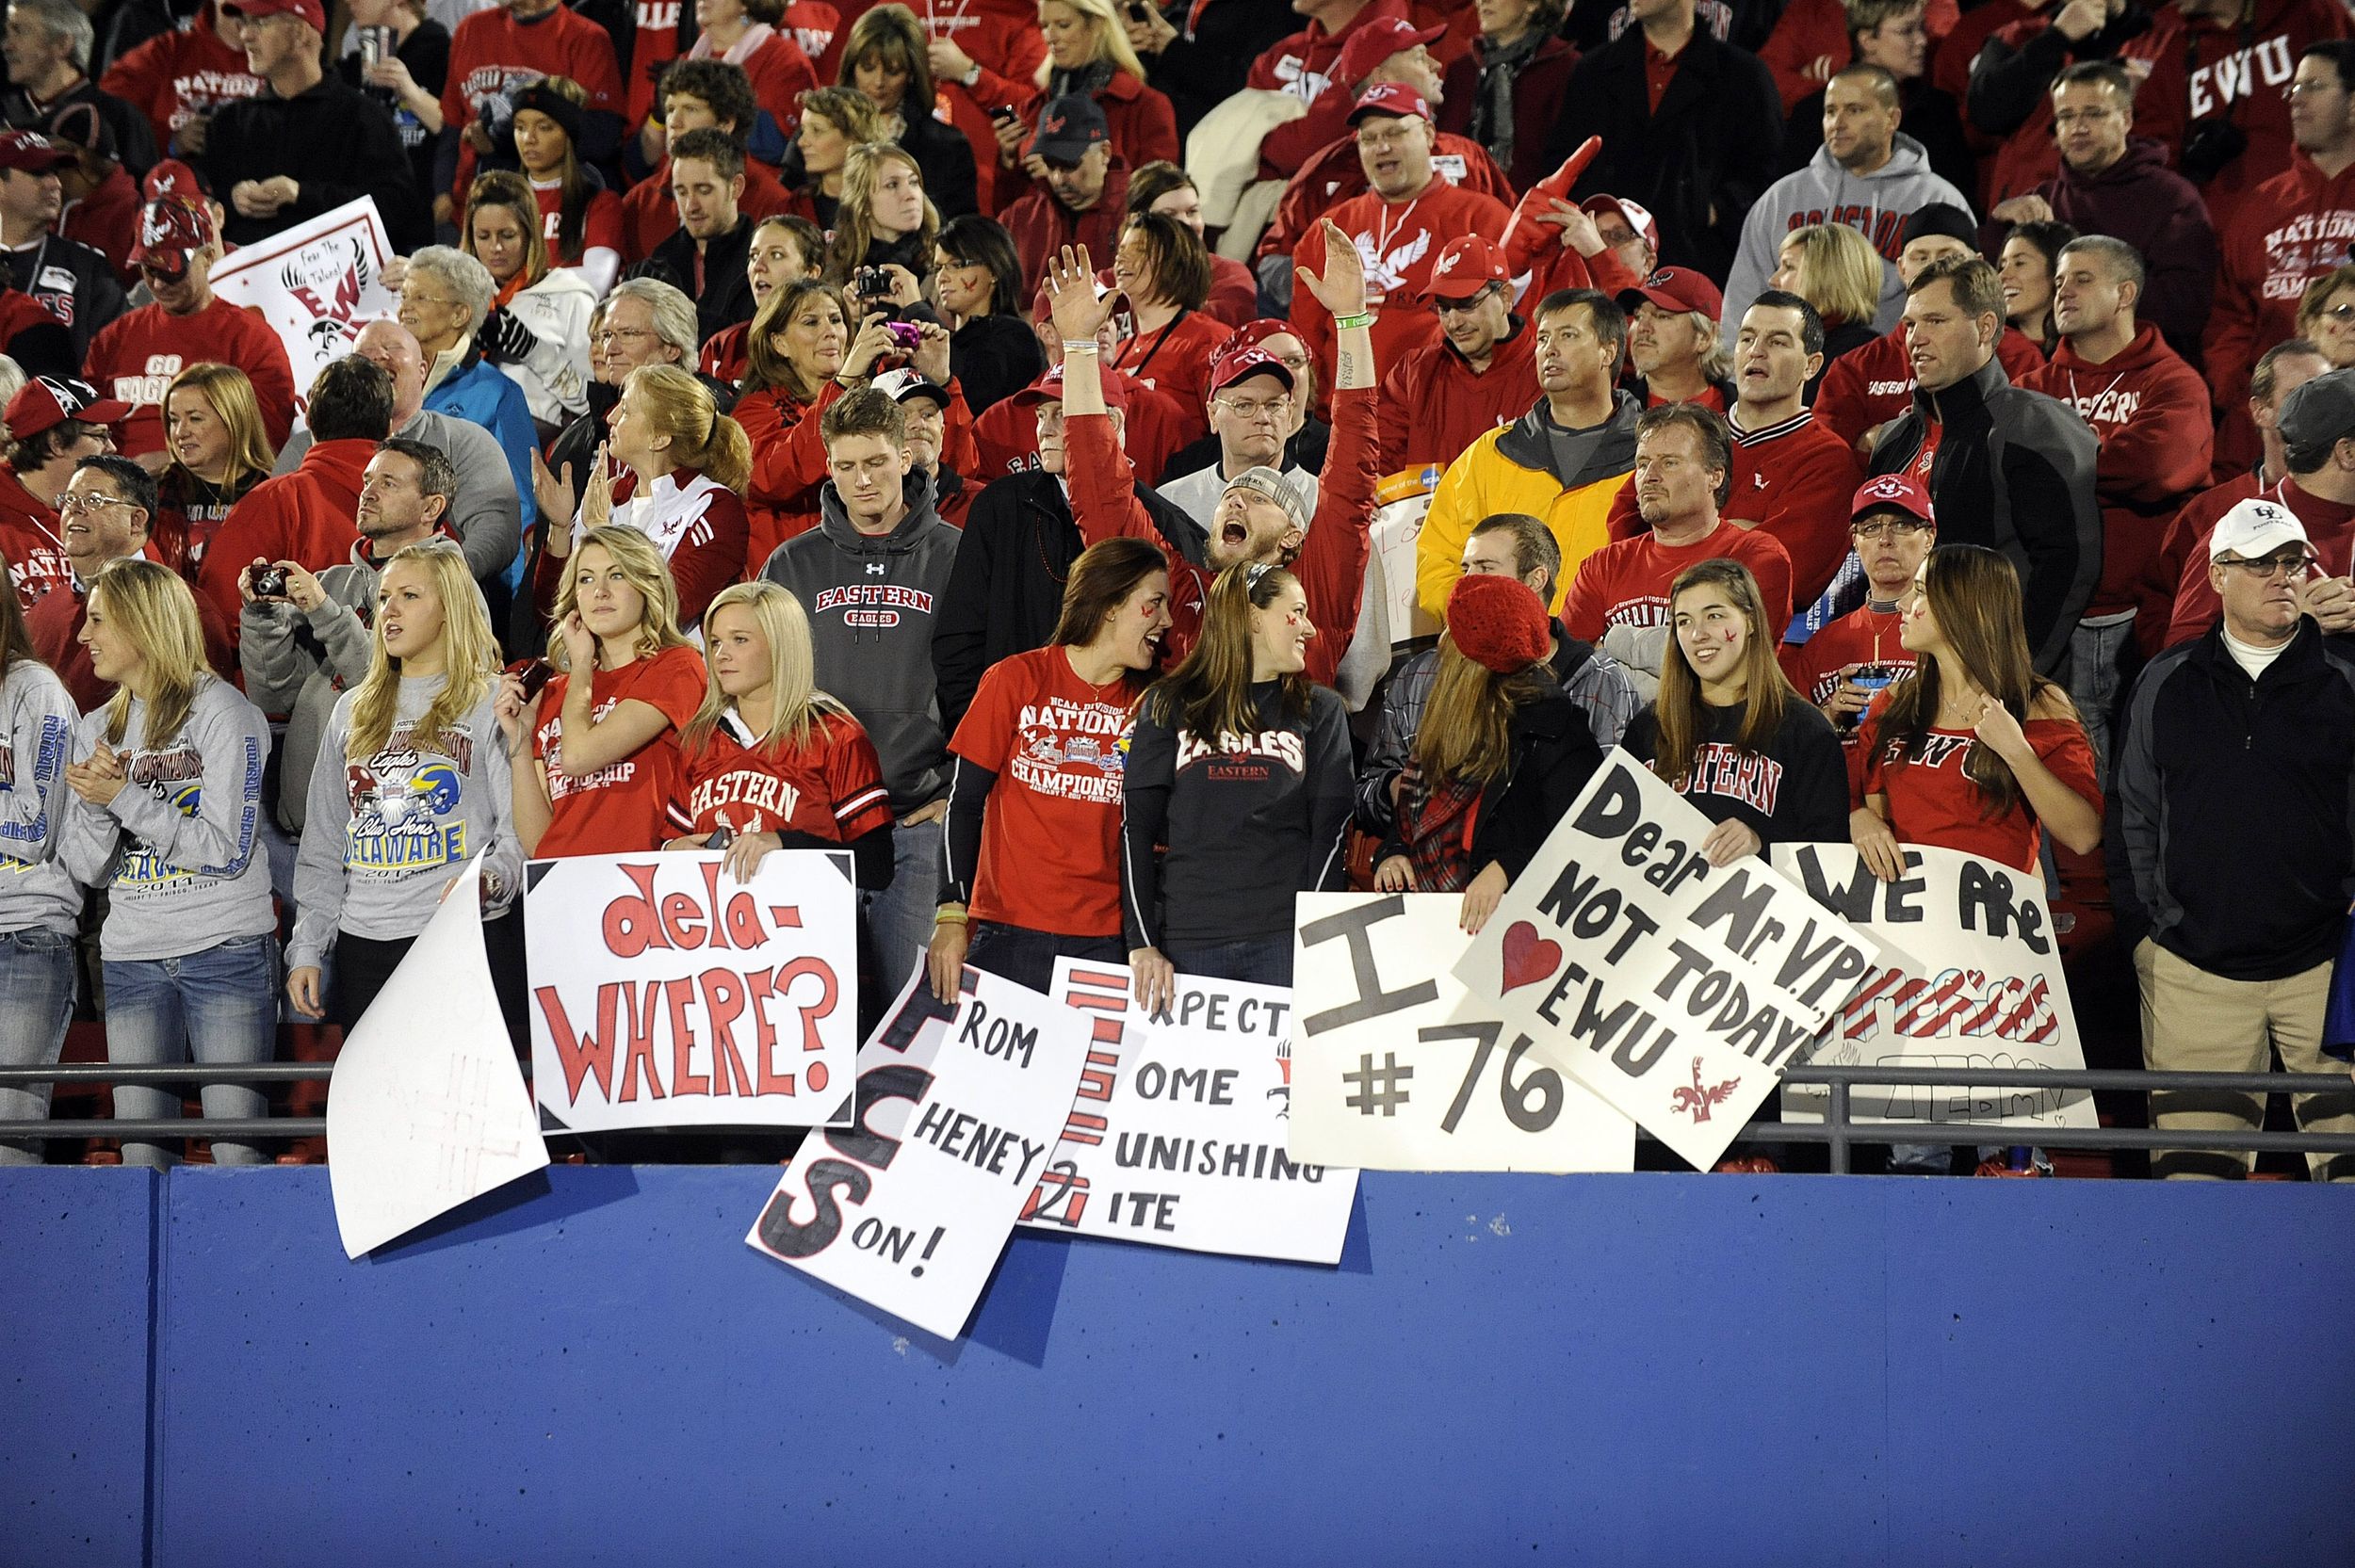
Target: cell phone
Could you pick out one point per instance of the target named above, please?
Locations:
(534, 674)
(271, 583)
(721, 836)
(1004, 114)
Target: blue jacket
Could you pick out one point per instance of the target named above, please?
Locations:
(481, 393)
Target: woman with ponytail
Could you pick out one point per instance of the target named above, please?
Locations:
(410, 783)
(1237, 793)
(1973, 751)
(1727, 732)
(168, 813)
(687, 463)
(1498, 756)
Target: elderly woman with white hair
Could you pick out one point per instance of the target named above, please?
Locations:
(445, 294)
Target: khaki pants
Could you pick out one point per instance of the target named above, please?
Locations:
(2194, 1021)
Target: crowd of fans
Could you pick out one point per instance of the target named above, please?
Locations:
(956, 430)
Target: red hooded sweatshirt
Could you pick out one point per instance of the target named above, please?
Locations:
(1435, 404)
(304, 517)
(2292, 230)
(2150, 410)
(1302, 64)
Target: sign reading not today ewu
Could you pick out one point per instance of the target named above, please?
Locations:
(1677, 990)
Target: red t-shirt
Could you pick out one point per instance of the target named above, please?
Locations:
(1626, 583)
(1863, 636)
(631, 806)
(1050, 837)
(1932, 802)
(1176, 361)
(830, 786)
(134, 357)
(600, 223)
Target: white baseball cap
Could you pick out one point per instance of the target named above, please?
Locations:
(2253, 528)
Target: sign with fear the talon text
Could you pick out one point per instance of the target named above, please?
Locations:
(907, 1200)
(666, 993)
(1392, 1067)
(315, 284)
(1969, 975)
(1676, 990)
(1175, 1137)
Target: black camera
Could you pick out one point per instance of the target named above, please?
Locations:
(270, 582)
(2209, 147)
(871, 282)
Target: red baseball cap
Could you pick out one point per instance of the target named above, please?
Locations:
(32, 152)
(1240, 362)
(1892, 491)
(172, 177)
(1048, 389)
(309, 11)
(1372, 42)
(1254, 334)
(1634, 214)
(1391, 98)
(1675, 288)
(47, 400)
(1466, 264)
(171, 230)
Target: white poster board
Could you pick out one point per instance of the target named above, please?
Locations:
(1175, 1137)
(1676, 990)
(1393, 534)
(1969, 975)
(908, 1205)
(426, 1109)
(1390, 1071)
(666, 993)
(316, 285)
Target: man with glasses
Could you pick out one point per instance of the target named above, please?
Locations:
(105, 514)
(2112, 181)
(2234, 803)
(1481, 374)
(1847, 664)
(137, 356)
(309, 142)
(54, 423)
(1083, 199)
(2294, 229)
(2317, 429)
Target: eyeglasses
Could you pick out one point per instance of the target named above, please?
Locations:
(411, 296)
(73, 503)
(2302, 90)
(2289, 566)
(2338, 312)
(619, 334)
(1443, 306)
(1245, 409)
(1888, 527)
(2066, 118)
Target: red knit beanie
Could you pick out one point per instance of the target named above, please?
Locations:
(1498, 623)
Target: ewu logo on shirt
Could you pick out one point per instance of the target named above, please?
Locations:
(1937, 751)
(1733, 774)
(873, 605)
(1281, 746)
(2237, 75)
(150, 386)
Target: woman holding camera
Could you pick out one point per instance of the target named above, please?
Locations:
(884, 223)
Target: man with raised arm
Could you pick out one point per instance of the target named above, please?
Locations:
(1262, 516)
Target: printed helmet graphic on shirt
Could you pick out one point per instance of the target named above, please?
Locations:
(1038, 744)
(187, 799)
(436, 785)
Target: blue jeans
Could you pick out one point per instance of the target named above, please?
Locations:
(2098, 655)
(1256, 961)
(1026, 957)
(36, 1005)
(220, 1004)
(900, 917)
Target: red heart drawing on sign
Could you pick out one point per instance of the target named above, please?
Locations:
(1528, 956)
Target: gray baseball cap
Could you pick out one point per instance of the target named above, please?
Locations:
(2320, 412)
(1277, 488)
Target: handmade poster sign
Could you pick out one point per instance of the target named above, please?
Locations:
(426, 1109)
(1175, 1137)
(1676, 990)
(666, 993)
(316, 285)
(1394, 1068)
(1969, 975)
(906, 1202)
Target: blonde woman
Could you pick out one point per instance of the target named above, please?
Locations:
(413, 783)
(885, 221)
(1087, 51)
(595, 756)
(168, 793)
(773, 763)
(687, 463)
(537, 330)
(1836, 269)
(220, 450)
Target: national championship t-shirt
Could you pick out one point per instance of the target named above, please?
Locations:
(628, 806)
(1050, 835)
(828, 786)
(1932, 801)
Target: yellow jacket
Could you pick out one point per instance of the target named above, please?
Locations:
(1511, 469)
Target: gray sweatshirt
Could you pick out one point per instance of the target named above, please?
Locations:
(486, 514)
(177, 847)
(385, 836)
(1876, 205)
(37, 720)
(298, 664)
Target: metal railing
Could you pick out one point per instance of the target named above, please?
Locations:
(1838, 1129)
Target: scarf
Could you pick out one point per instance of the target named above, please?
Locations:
(1092, 79)
(1492, 110)
(740, 51)
(1435, 822)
